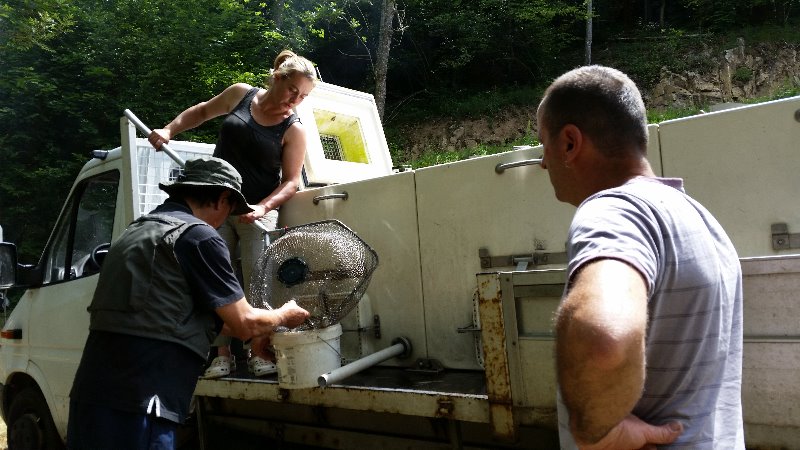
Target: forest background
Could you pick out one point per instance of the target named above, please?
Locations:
(68, 68)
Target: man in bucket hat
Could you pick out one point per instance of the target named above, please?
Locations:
(166, 289)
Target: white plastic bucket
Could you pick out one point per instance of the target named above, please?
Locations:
(302, 356)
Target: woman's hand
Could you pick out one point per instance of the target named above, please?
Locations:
(159, 137)
(258, 212)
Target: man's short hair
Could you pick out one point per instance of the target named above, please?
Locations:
(603, 103)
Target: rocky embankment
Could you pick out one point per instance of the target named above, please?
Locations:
(736, 75)
(739, 74)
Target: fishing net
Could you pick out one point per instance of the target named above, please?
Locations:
(324, 266)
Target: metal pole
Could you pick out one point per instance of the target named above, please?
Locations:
(146, 131)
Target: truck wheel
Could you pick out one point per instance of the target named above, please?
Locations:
(30, 425)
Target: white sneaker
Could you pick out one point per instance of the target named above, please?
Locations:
(220, 367)
(259, 366)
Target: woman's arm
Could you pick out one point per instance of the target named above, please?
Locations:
(196, 115)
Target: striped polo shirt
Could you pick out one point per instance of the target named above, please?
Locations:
(694, 334)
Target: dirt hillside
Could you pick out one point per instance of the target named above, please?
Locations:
(738, 74)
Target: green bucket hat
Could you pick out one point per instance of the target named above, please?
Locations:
(210, 171)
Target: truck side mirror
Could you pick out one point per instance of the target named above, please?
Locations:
(8, 265)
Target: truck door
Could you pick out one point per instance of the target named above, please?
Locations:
(59, 323)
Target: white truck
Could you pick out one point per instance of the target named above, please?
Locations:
(471, 269)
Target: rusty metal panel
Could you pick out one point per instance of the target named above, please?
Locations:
(464, 407)
(498, 334)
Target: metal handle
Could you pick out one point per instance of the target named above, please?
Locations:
(143, 128)
(319, 198)
(500, 168)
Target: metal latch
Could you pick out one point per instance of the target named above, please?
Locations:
(521, 262)
(427, 365)
(782, 239)
(375, 328)
(470, 328)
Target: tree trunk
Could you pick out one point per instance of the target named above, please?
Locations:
(385, 32)
(589, 14)
(277, 13)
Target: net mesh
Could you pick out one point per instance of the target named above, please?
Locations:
(324, 266)
(154, 167)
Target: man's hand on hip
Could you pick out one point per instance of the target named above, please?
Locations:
(635, 434)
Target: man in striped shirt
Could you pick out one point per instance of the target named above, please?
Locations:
(649, 331)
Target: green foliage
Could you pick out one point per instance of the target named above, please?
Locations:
(457, 45)
(643, 56)
(789, 33)
(790, 88)
(742, 74)
(711, 14)
(68, 68)
(463, 104)
(71, 67)
(436, 157)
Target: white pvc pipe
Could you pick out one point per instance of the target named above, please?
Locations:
(336, 375)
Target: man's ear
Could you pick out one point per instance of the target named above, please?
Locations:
(572, 139)
(224, 199)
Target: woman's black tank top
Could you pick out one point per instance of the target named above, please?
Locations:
(253, 149)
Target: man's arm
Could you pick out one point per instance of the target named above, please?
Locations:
(600, 343)
(245, 322)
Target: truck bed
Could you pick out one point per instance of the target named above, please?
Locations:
(381, 407)
(451, 382)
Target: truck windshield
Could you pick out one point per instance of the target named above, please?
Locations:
(83, 231)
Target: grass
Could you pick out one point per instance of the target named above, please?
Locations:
(432, 157)
(658, 116)
(789, 89)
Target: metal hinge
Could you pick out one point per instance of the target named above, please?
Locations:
(782, 239)
(521, 262)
